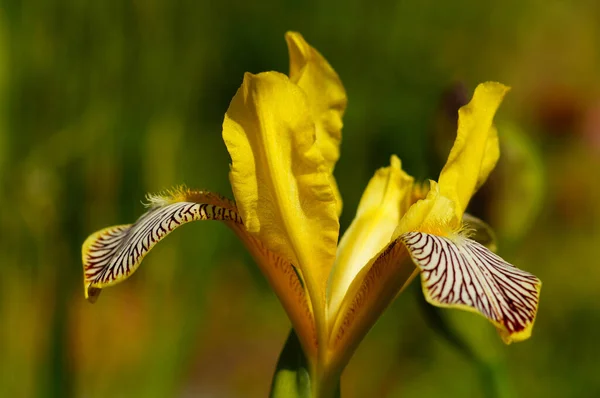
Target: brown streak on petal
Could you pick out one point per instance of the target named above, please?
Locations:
(283, 277)
(388, 274)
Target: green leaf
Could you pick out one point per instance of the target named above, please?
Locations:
(519, 187)
(292, 375)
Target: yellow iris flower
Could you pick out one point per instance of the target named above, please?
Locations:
(283, 135)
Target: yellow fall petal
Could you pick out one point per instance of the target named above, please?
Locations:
(279, 177)
(326, 97)
(379, 211)
(475, 151)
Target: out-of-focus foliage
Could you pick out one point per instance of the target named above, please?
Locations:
(103, 101)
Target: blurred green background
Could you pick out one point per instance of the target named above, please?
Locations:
(102, 102)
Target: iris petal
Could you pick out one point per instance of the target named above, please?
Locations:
(279, 177)
(460, 273)
(379, 210)
(475, 151)
(326, 97)
(371, 292)
(435, 214)
(113, 254)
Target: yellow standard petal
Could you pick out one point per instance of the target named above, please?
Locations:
(279, 177)
(378, 214)
(326, 96)
(475, 151)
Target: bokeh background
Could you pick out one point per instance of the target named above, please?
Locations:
(104, 101)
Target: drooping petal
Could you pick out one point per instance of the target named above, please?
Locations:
(380, 208)
(388, 273)
(279, 177)
(379, 282)
(326, 97)
(460, 273)
(113, 254)
(475, 151)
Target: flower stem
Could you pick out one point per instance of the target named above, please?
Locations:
(325, 384)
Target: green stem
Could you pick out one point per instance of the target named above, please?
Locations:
(325, 385)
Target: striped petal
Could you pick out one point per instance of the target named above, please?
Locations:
(112, 254)
(461, 273)
(386, 275)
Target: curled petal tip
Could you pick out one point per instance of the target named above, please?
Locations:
(494, 88)
(92, 293)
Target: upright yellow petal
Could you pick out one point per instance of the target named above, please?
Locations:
(279, 177)
(326, 97)
(475, 151)
(379, 211)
